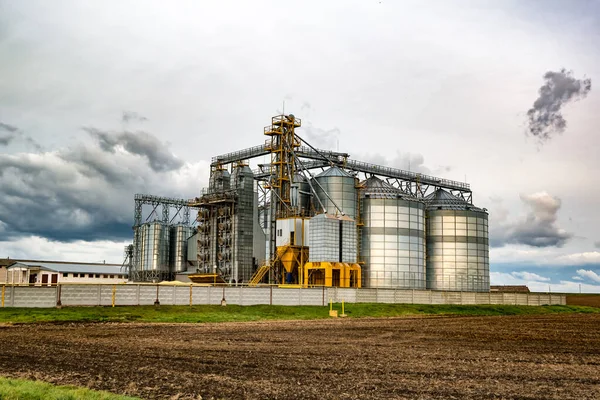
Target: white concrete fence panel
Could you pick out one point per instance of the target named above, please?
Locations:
(147, 294)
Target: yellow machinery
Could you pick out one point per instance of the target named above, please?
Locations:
(332, 274)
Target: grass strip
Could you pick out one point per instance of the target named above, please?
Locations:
(234, 313)
(20, 389)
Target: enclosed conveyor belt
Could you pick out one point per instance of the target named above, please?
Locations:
(387, 172)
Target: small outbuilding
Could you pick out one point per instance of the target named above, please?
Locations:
(49, 273)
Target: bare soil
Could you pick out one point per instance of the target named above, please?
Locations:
(519, 357)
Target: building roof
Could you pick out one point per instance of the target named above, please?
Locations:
(510, 288)
(87, 268)
(441, 199)
(334, 171)
(6, 262)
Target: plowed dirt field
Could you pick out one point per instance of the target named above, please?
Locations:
(519, 357)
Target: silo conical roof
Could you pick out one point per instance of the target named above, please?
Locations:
(334, 171)
(375, 187)
(441, 199)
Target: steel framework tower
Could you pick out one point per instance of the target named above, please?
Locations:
(282, 144)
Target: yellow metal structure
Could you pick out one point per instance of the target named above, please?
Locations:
(259, 275)
(281, 145)
(332, 274)
(293, 259)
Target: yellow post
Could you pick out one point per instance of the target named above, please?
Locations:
(343, 307)
(190, 294)
(332, 313)
(3, 292)
(114, 294)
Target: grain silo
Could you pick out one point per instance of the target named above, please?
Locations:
(179, 243)
(392, 237)
(155, 247)
(335, 186)
(457, 244)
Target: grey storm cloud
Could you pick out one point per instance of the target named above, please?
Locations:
(80, 192)
(597, 244)
(129, 116)
(537, 229)
(545, 117)
(14, 133)
(11, 133)
(139, 143)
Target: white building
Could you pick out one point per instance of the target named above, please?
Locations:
(48, 273)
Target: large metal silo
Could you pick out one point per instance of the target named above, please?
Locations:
(341, 188)
(457, 244)
(179, 244)
(392, 238)
(155, 246)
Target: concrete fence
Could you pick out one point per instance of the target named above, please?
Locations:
(145, 294)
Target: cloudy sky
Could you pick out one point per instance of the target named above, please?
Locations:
(103, 99)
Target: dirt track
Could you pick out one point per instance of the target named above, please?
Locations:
(534, 357)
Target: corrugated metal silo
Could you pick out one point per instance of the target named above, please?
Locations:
(179, 244)
(457, 244)
(392, 238)
(155, 246)
(341, 188)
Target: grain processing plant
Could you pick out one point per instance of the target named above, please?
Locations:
(313, 217)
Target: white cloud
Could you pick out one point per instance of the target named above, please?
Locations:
(38, 248)
(529, 276)
(514, 278)
(577, 278)
(551, 257)
(590, 257)
(589, 274)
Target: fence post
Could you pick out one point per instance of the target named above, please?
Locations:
(156, 302)
(58, 295)
(114, 295)
(137, 294)
(191, 294)
(3, 294)
(461, 298)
